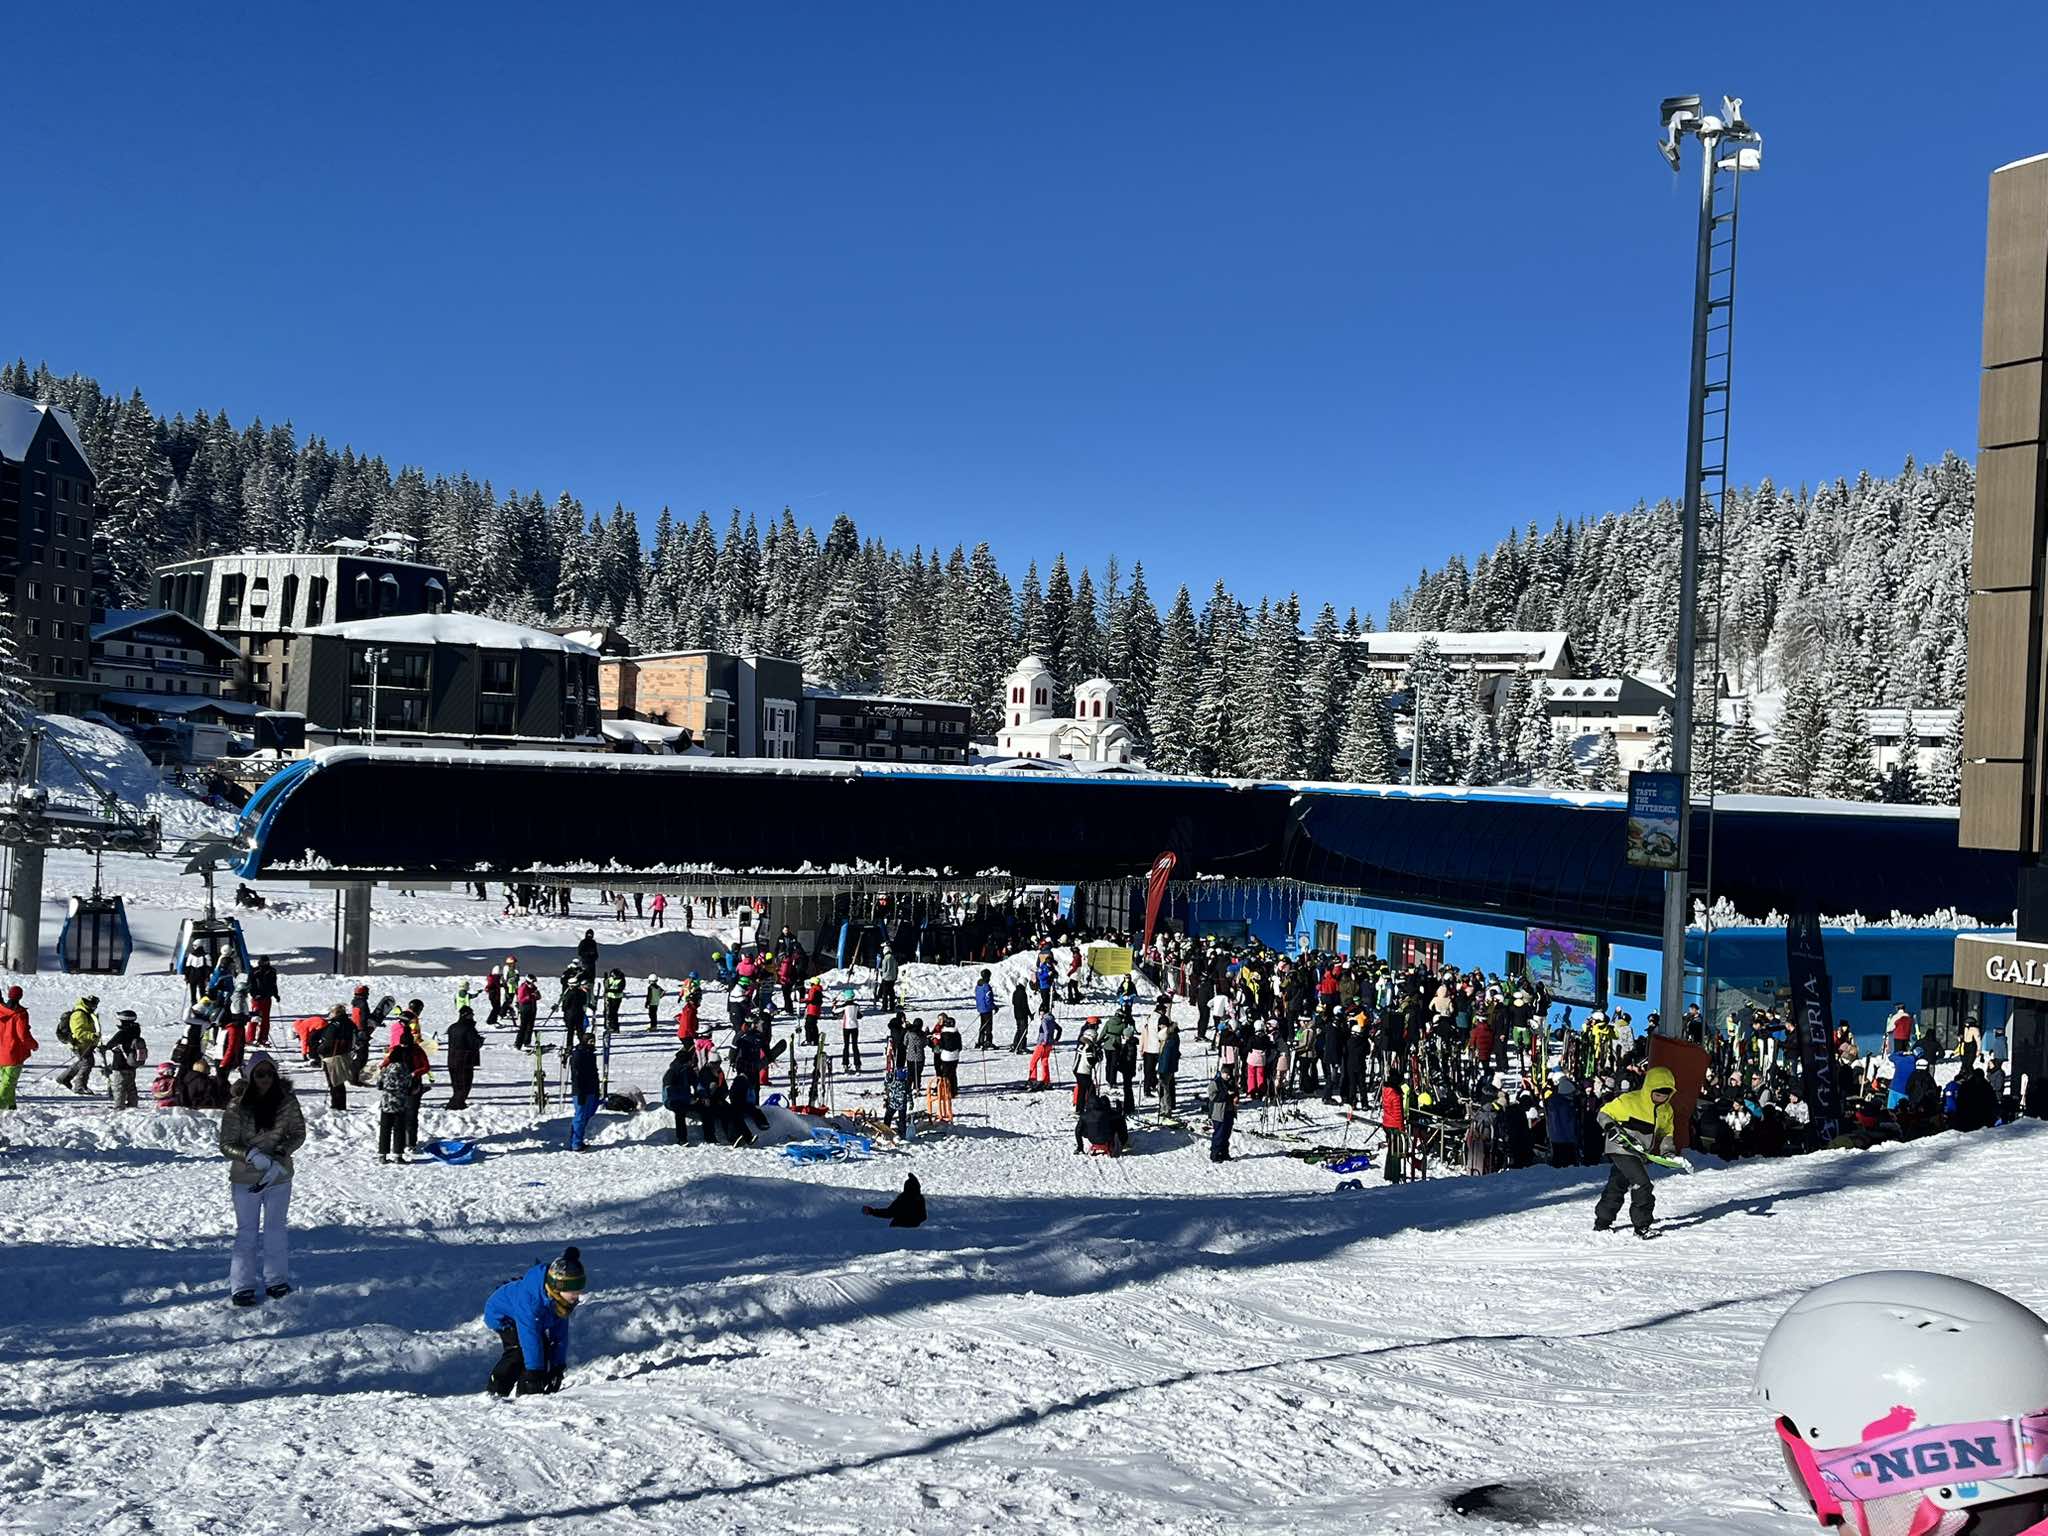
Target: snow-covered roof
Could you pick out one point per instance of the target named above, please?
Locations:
(1542, 649)
(1895, 722)
(120, 619)
(452, 629)
(19, 419)
(642, 732)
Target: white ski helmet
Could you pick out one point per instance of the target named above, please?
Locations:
(1912, 1404)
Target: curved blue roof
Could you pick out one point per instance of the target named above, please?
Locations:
(391, 812)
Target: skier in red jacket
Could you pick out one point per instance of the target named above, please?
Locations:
(1394, 1121)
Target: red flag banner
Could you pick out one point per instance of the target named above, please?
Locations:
(1162, 870)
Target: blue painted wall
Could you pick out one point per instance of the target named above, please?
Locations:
(1873, 969)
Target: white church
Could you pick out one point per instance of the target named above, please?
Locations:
(1031, 729)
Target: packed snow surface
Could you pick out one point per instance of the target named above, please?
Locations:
(1151, 1344)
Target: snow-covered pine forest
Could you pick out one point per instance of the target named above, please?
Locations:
(1845, 596)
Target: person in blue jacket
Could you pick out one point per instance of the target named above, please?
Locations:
(531, 1316)
(1562, 1120)
(583, 1088)
(985, 1005)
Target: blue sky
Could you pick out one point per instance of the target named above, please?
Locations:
(1303, 295)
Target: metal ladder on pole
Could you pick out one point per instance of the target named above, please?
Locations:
(1713, 503)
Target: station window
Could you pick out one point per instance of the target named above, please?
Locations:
(1634, 985)
(1364, 942)
(1326, 938)
(1877, 989)
(1411, 952)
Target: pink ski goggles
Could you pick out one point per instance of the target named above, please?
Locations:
(1948, 1456)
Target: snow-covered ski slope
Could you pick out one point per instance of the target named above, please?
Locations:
(1152, 1344)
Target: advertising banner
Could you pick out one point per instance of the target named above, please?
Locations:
(1564, 964)
(1656, 801)
(1162, 869)
(1813, 1023)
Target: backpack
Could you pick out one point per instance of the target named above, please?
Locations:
(64, 1027)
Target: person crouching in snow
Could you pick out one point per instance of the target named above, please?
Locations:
(906, 1210)
(1100, 1128)
(531, 1316)
(259, 1131)
(1634, 1123)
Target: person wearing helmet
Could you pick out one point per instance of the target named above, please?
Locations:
(1912, 1402)
(1633, 1123)
(531, 1317)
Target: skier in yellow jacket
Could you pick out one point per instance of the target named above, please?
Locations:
(1631, 1124)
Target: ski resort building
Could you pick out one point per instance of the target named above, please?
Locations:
(1032, 728)
(46, 515)
(729, 705)
(1895, 732)
(444, 679)
(1625, 708)
(259, 603)
(879, 727)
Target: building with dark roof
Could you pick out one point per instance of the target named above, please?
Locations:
(444, 679)
(258, 602)
(46, 512)
(158, 653)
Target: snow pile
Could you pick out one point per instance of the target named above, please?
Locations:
(115, 764)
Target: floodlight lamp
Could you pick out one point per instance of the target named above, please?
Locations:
(1748, 157)
(1676, 114)
(1731, 109)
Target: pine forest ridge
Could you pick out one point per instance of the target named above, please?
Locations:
(1846, 596)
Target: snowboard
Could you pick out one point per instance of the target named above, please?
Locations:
(1675, 1164)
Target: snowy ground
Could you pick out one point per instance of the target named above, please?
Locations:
(1151, 1344)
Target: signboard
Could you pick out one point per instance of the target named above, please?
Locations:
(1656, 802)
(1564, 964)
(2002, 964)
(1813, 1024)
(1108, 959)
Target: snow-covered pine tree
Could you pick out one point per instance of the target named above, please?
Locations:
(1901, 782)
(1366, 752)
(1738, 764)
(1031, 635)
(1133, 652)
(1660, 743)
(1945, 782)
(1059, 622)
(1796, 742)
(1084, 656)
(1561, 763)
(1847, 769)
(1173, 715)
(1604, 771)
(17, 696)
(134, 503)
(1325, 696)
(843, 649)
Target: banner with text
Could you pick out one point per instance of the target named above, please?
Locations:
(1812, 1021)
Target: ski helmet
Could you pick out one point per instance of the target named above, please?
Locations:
(1912, 1402)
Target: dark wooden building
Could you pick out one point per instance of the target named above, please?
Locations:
(444, 679)
(46, 510)
(881, 728)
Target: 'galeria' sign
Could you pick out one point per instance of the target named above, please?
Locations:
(2002, 964)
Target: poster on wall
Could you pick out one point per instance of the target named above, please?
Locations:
(1564, 964)
(1655, 801)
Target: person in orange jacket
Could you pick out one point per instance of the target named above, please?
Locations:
(16, 1044)
(1394, 1121)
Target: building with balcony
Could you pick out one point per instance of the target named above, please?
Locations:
(46, 512)
(258, 603)
(149, 662)
(444, 679)
(731, 706)
(877, 727)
